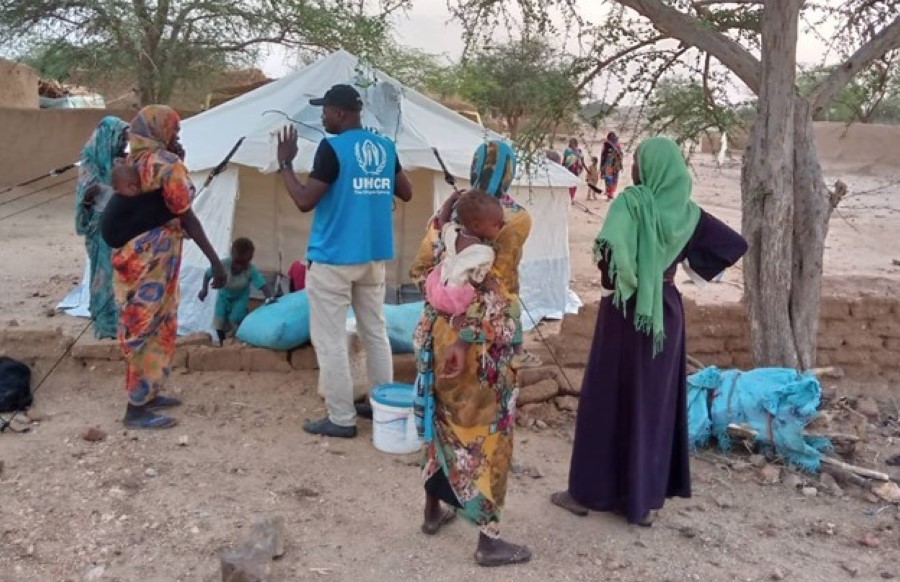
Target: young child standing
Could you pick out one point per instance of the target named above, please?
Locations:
(233, 299)
(468, 257)
(593, 178)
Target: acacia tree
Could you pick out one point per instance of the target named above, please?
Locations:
(162, 41)
(786, 204)
(518, 80)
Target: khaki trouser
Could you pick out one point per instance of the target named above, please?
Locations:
(332, 289)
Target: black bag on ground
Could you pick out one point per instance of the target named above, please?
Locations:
(15, 385)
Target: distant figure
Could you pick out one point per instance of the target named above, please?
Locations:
(723, 151)
(593, 178)
(573, 161)
(612, 164)
(233, 299)
(92, 192)
(297, 277)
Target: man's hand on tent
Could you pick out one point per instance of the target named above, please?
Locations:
(287, 145)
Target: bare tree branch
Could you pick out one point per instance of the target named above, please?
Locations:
(690, 31)
(698, 3)
(878, 46)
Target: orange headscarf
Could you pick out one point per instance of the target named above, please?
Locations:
(152, 131)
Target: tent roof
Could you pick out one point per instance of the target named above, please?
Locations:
(412, 120)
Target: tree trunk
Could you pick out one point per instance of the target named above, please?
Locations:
(810, 229)
(767, 185)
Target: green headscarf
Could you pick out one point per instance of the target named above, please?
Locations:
(647, 227)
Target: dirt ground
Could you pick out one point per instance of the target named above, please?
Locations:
(141, 506)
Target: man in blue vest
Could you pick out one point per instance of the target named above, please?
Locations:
(354, 178)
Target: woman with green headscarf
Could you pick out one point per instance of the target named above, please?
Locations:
(631, 447)
(92, 192)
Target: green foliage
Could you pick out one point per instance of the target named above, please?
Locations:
(422, 71)
(522, 80)
(160, 42)
(685, 110)
(871, 97)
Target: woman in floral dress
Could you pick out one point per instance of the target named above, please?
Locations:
(466, 384)
(146, 268)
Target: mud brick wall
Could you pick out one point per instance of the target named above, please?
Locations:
(861, 335)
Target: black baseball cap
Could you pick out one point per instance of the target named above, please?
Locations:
(342, 96)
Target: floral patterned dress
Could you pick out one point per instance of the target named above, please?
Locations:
(146, 268)
(467, 459)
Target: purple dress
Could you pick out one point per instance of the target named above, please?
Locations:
(631, 445)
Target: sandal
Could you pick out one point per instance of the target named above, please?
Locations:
(564, 500)
(649, 518)
(160, 402)
(510, 555)
(148, 420)
(431, 529)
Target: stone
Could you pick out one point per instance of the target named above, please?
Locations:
(567, 403)
(830, 484)
(195, 339)
(868, 407)
(758, 461)
(541, 425)
(180, 358)
(209, 359)
(25, 344)
(183, 440)
(529, 376)
(571, 381)
(724, 501)
(95, 349)
(809, 491)
(778, 574)
(93, 434)
(770, 474)
(851, 569)
(35, 415)
(526, 471)
(249, 561)
(95, 573)
(869, 540)
(793, 481)
(304, 358)
(264, 360)
(889, 491)
(540, 392)
(151, 472)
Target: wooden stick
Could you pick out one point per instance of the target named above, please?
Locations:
(844, 477)
(746, 432)
(835, 436)
(861, 471)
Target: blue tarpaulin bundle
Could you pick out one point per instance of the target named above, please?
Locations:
(777, 403)
(284, 325)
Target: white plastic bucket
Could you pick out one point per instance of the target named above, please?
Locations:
(393, 420)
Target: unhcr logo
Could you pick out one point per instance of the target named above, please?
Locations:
(371, 157)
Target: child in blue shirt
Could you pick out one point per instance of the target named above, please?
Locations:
(233, 299)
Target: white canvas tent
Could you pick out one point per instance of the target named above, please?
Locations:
(248, 198)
